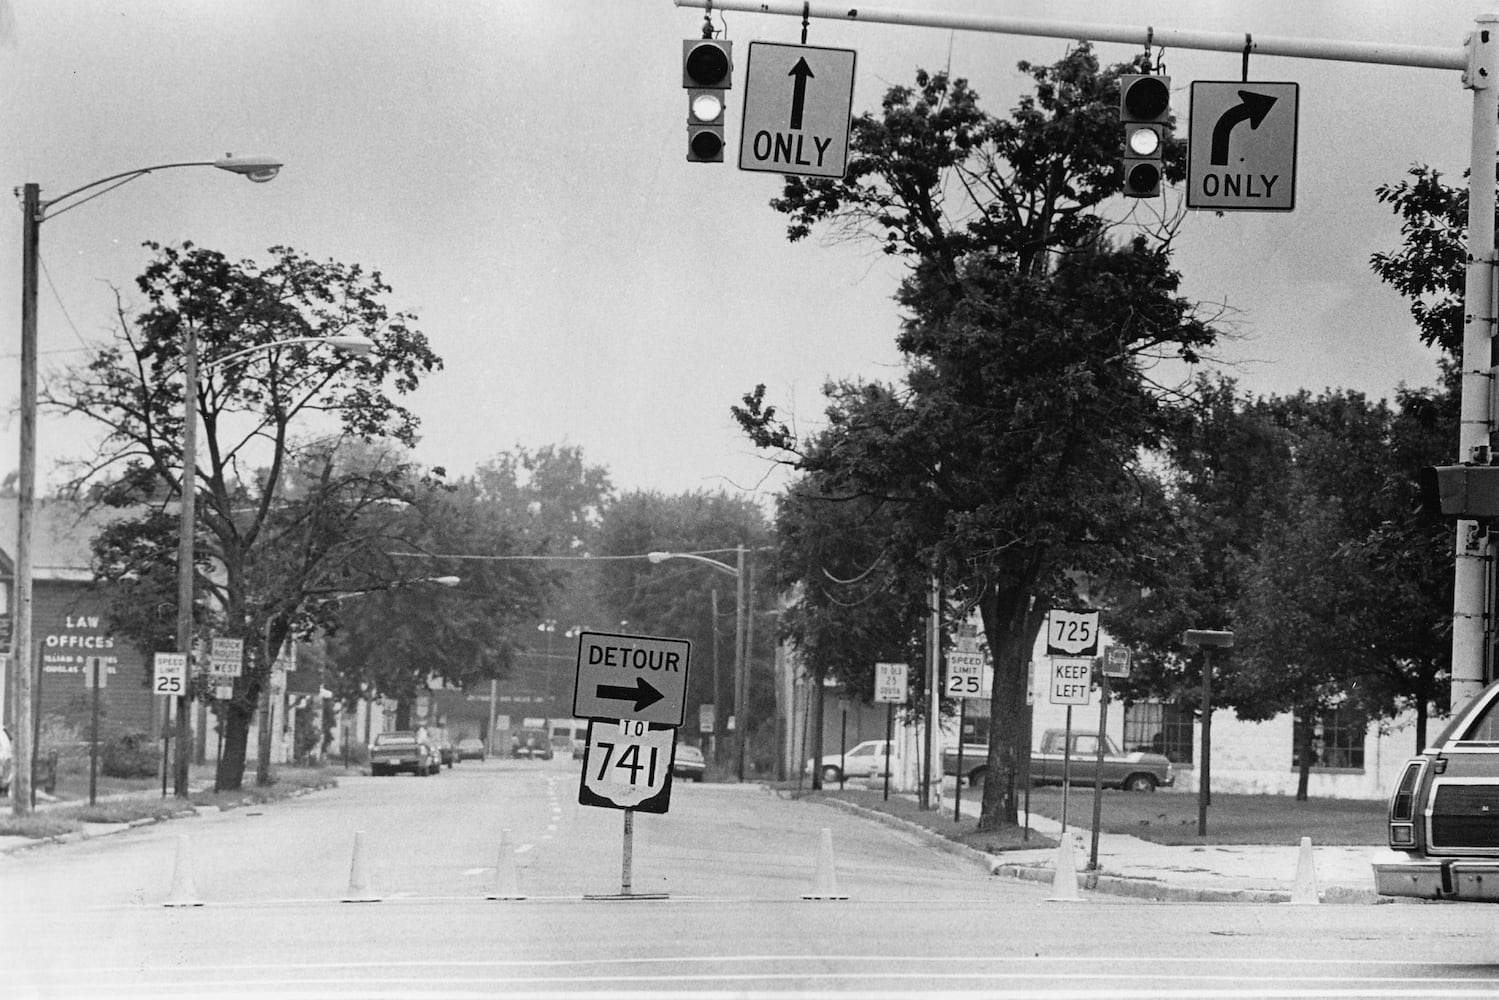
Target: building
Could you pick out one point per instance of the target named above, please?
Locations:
(69, 624)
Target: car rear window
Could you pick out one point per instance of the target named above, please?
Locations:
(385, 740)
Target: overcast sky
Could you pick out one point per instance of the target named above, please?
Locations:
(516, 170)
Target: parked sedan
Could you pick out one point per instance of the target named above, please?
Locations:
(401, 751)
(688, 762)
(470, 748)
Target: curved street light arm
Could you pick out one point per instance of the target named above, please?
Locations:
(256, 168)
(658, 557)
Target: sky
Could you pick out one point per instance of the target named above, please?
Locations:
(516, 171)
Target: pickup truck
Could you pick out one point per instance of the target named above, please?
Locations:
(1444, 812)
(1135, 772)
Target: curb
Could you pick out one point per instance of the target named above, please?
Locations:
(75, 836)
(1114, 885)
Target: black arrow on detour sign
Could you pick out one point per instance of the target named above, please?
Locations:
(642, 694)
(799, 90)
(1252, 108)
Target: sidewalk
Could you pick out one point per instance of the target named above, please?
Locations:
(1129, 866)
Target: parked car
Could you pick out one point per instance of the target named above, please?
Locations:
(1443, 809)
(688, 762)
(532, 743)
(470, 748)
(862, 760)
(402, 750)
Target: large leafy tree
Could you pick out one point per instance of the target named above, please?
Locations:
(1012, 450)
(267, 554)
(677, 597)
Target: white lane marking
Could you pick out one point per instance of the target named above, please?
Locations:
(522, 849)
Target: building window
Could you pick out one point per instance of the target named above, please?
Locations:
(1337, 739)
(1155, 727)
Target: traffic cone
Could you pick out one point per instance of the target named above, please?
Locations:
(824, 879)
(506, 885)
(360, 890)
(1064, 881)
(184, 892)
(1305, 890)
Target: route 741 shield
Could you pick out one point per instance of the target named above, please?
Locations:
(627, 765)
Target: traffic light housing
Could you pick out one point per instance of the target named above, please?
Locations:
(1460, 491)
(707, 72)
(1145, 113)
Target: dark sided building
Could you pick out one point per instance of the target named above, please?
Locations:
(69, 625)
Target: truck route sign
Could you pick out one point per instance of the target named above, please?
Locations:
(637, 677)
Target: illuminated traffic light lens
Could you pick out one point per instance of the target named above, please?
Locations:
(1144, 141)
(1143, 177)
(1146, 98)
(708, 65)
(706, 145)
(706, 107)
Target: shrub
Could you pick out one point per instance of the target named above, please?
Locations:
(132, 755)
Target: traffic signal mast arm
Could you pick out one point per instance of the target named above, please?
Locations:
(1477, 58)
(1420, 56)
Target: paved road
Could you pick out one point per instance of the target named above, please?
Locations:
(87, 919)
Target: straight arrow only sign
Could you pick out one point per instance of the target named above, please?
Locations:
(797, 100)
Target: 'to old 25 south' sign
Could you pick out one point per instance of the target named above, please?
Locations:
(797, 100)
(631, 677)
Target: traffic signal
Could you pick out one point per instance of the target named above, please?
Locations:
(707, 71)
(1145, 112)
(1460, 491)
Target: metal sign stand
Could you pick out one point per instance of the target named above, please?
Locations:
(626, 890)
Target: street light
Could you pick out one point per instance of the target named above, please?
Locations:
(187, 518)
(264, 730)
(35, 211)
(741, 613)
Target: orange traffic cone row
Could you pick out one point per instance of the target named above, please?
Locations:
(506, 885)
(184, 892)
(825, 878)
(1064, 881)
(360, 890)
(1305, 890)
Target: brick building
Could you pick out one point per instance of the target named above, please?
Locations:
(69, 624)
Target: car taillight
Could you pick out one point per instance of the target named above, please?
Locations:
(1403, 802)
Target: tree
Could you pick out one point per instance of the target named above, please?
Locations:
(856, 595)
(265, 554)
(496, 530)
(678, 597)
(1011, 454)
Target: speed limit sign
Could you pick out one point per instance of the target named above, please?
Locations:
(965, 675)
(170, 675)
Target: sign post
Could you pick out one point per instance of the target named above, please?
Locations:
(797, 100)
(965, 679)
(890, 681)
(632, 689)
(1206, 639)
(95, 676)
